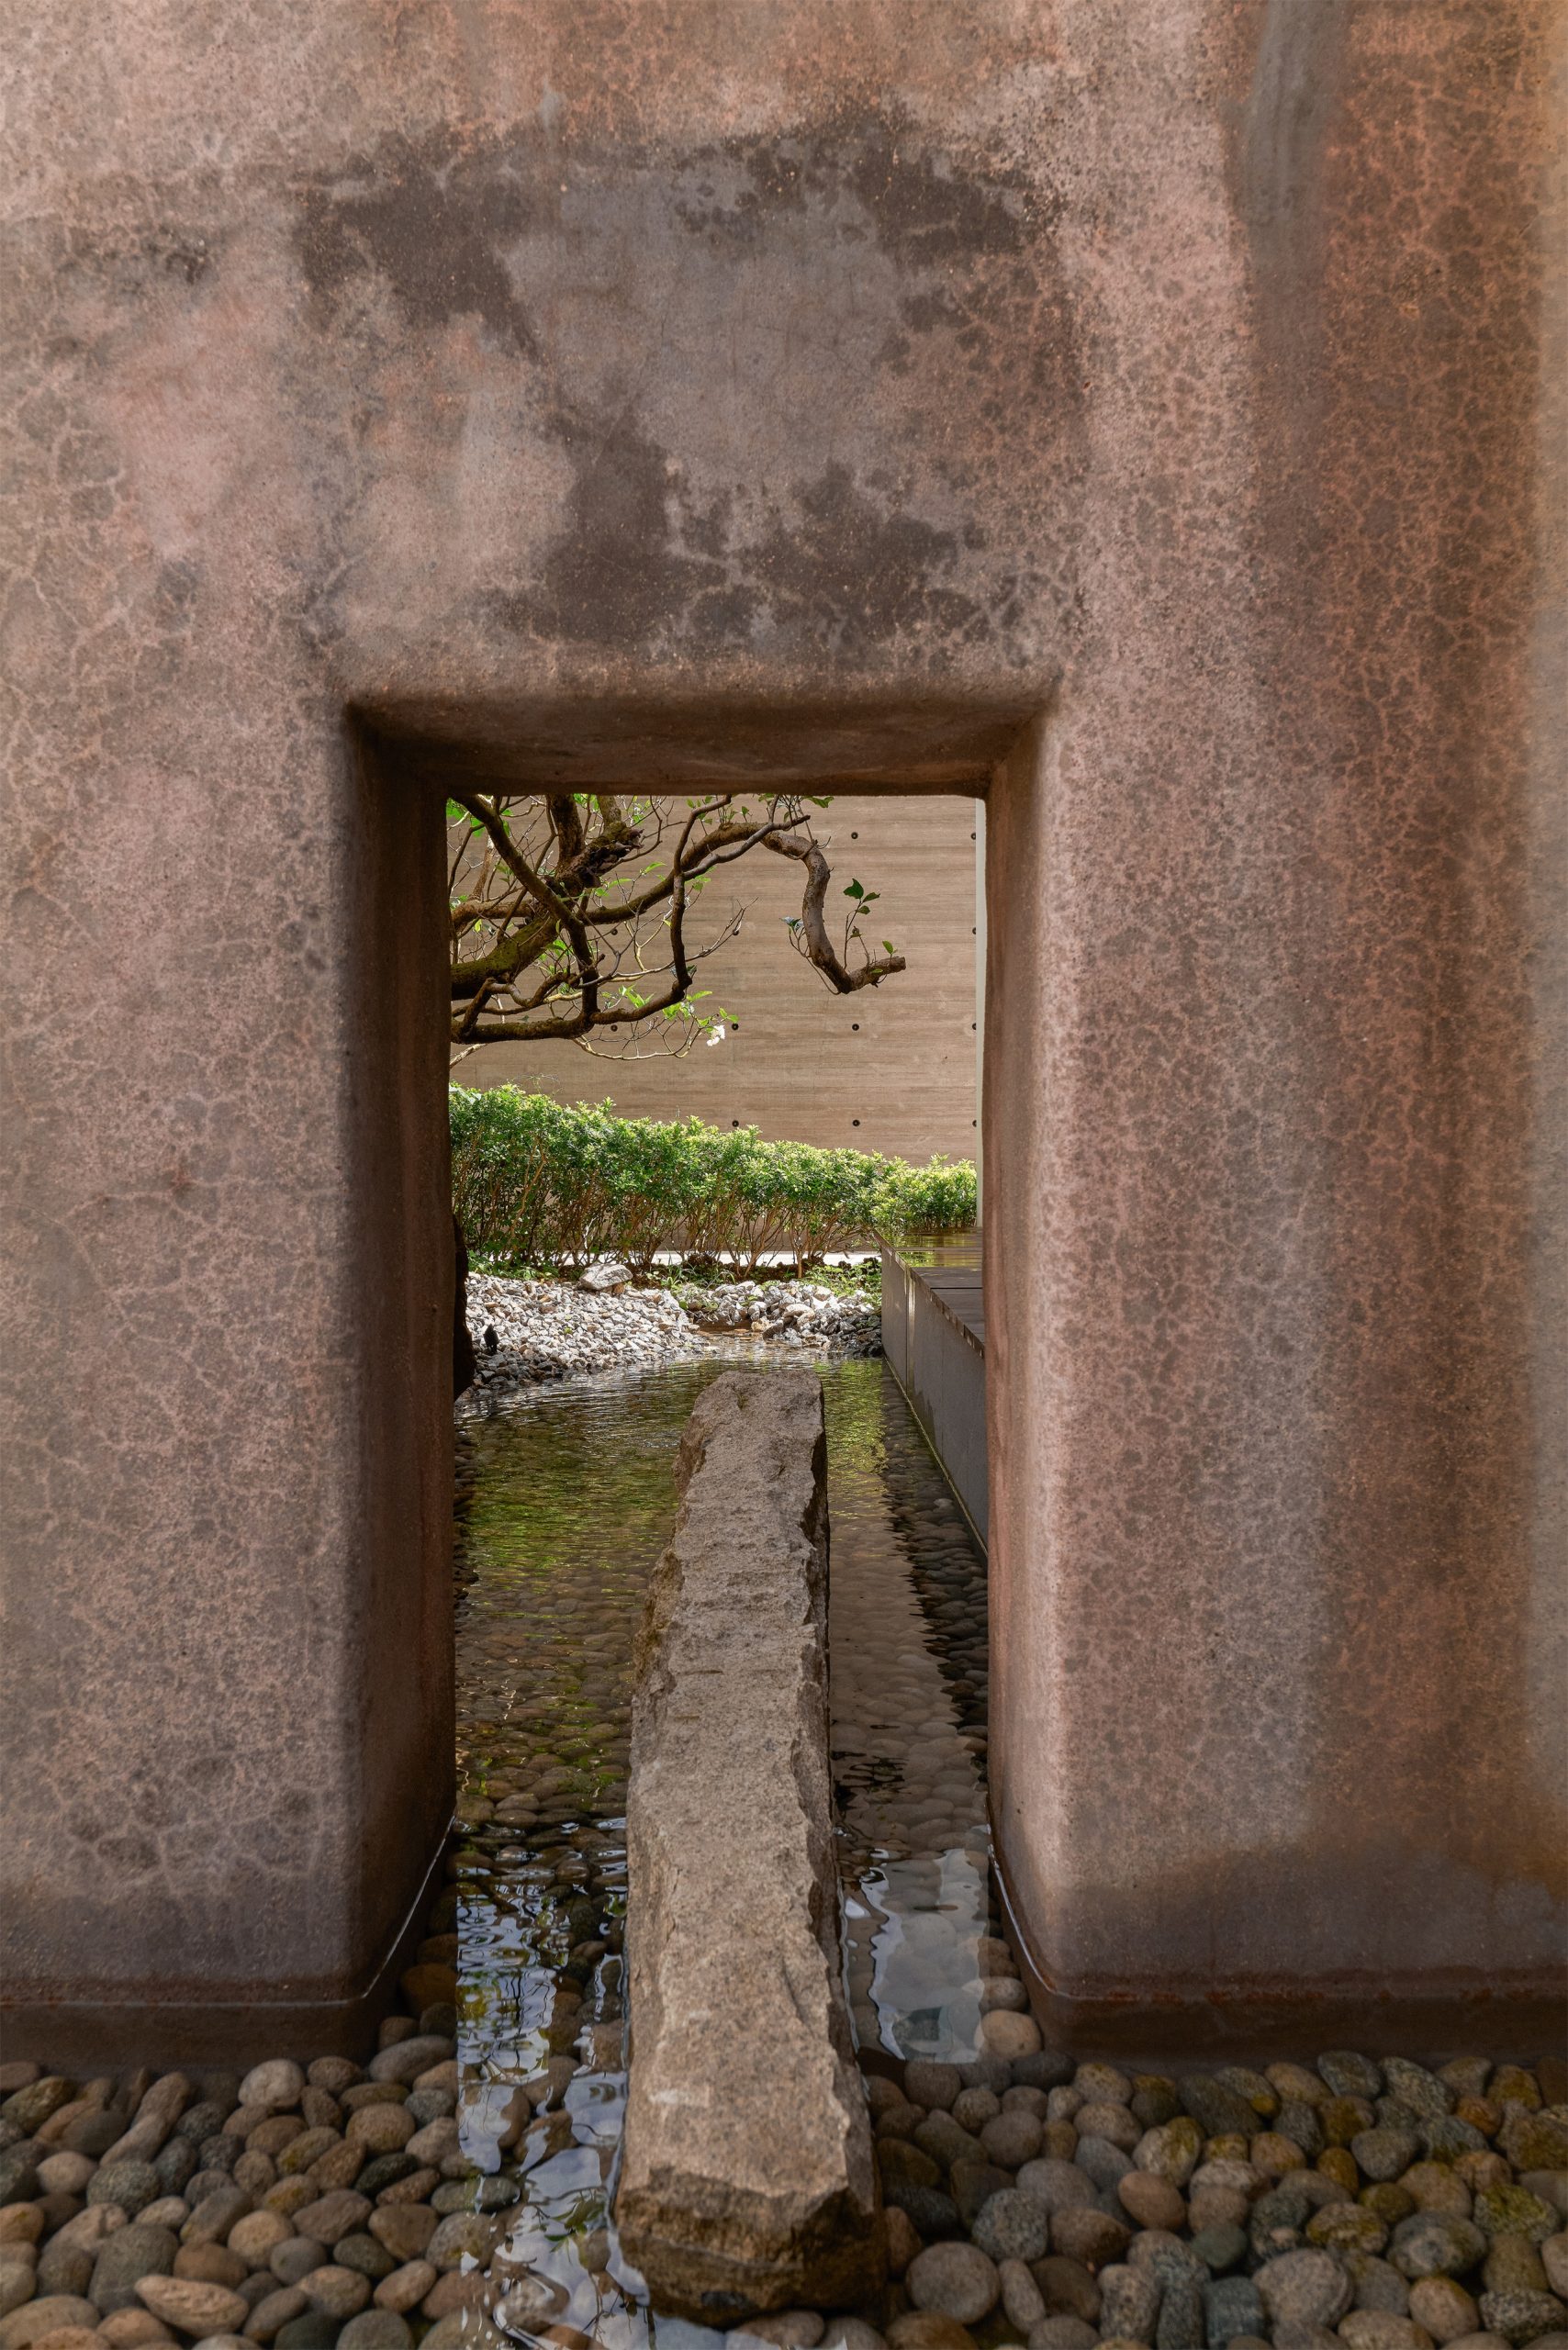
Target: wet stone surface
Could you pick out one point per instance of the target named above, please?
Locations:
(565, 1501)
(455, 2191)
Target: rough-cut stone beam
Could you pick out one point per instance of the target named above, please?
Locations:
(747, 2180)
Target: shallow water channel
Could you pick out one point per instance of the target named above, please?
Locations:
(566, 1498)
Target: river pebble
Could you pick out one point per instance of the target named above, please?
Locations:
(524, 1332)
(1034, 2256)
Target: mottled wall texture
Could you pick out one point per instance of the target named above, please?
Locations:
(1136, 404)
(890, 1069)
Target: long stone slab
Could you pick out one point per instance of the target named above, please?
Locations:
(747, 2180)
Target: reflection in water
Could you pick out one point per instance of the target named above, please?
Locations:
(565, 1499)
(906, 1636)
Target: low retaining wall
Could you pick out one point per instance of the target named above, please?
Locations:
(748, 2181)
(933, 1337)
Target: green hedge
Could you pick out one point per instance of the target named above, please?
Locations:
(537, 1184)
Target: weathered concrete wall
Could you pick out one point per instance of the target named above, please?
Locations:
(1279, 1724)
(819, 392)
(227, 1717)
(891, 1068)
(531, 395)
(746, 2179)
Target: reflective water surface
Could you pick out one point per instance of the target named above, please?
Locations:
(565, 1499)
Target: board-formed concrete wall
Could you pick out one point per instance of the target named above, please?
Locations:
(890, 1069)
(850, 397)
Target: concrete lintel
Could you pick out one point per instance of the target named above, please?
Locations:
(907, 743)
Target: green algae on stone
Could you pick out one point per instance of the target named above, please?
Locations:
(1515, 2211)
(1535, 2141)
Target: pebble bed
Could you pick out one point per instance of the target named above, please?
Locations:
(528, 1332)
(456, 2189)
(1028, 2201)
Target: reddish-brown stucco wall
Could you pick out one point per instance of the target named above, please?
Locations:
(549, 391)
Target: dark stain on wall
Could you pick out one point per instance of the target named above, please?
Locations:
(615, 572)
(852, 570)
(427, 217)
(842, 563)
(1279, 139)
(876, 175)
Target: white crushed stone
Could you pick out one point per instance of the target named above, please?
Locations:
(552, 1329)
(547, 1330)
(799, 1312)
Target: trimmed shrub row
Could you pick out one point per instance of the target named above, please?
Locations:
(537, 1184)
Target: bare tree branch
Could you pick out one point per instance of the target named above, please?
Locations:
(541, 951)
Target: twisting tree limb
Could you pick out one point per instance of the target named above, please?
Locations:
(815, 945)
(541, 948)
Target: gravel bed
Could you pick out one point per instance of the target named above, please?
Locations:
(527, 1331)
(801, 1313)
(1374, 2205)
(524, 1332)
